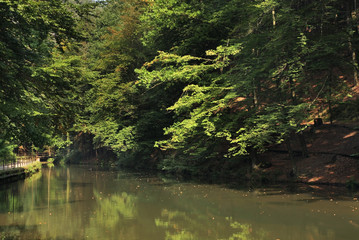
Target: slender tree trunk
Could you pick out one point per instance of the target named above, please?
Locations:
(258, 88)
(356, 80)
(68, 139)
(255, 96)
(254, 157)
(330, 106)
(273, 17)
(303, 145)
(292, 92)
(354, 62)
(256, 84)
(350, 44)
(291, 157)
(329, 97)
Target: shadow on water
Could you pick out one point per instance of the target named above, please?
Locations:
(323, 192)
(156, 178)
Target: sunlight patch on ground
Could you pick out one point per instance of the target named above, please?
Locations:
(350, 135)
(315, 179)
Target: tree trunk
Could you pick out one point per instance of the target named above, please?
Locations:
(68, 139)
(291, 157)
(292, 92)
(330, 111)
(354, 62)
(354, 57)
(303, 145)
(255, 96)
(273, 18)
(330, 106)
(254, 158)
(350, 44)
(329, 98)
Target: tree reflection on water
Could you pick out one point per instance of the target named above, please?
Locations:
(75, 203)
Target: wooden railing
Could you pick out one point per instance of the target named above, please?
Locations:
(20, 161)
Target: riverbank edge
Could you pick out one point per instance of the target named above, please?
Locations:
(13, 175)
(332, 160)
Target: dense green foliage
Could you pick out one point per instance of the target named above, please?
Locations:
(178, 85)
(36, 75)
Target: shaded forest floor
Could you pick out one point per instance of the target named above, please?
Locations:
(333, 156)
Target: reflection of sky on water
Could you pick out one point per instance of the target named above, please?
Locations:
(78, 203)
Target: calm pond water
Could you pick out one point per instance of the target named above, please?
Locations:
(81, 203)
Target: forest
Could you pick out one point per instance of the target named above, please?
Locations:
(182, 86)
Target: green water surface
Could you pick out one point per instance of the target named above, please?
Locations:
(83, 203)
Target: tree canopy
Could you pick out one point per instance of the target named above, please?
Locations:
(176, 85)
